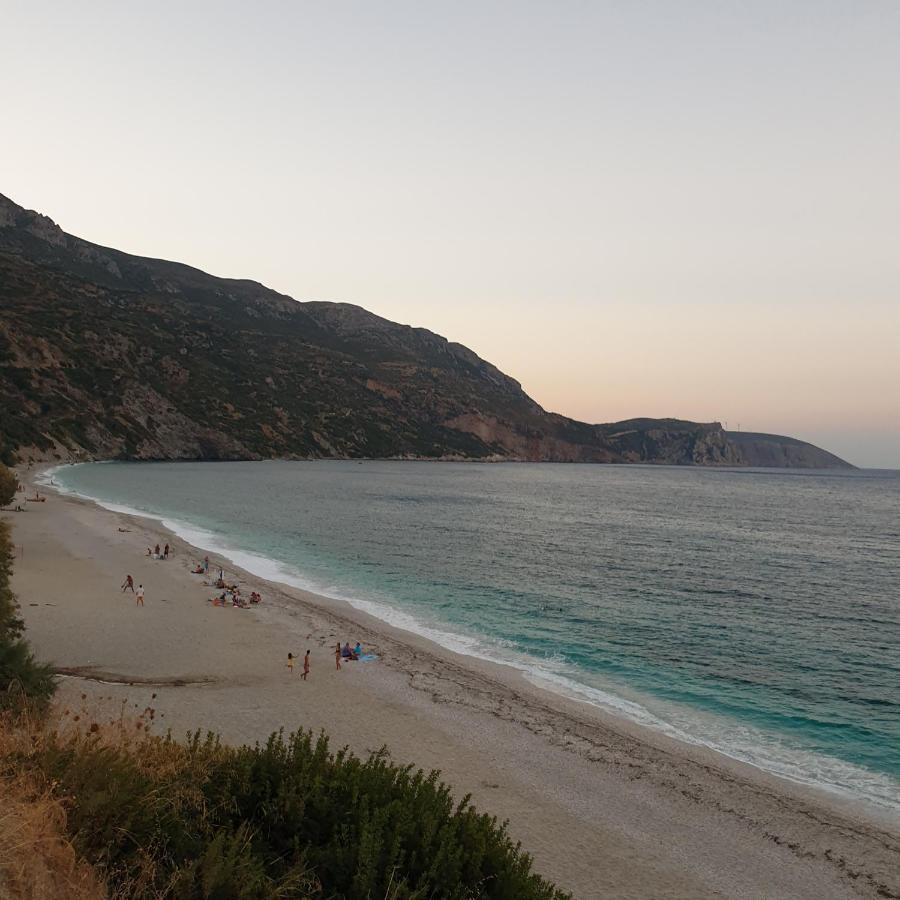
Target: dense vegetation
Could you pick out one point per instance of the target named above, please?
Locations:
(288, 819)
(109, 355)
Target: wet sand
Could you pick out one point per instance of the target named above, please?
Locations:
(608, 809)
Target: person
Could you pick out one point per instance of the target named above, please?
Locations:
(290, 662)
(337, 655)
(357, 650)
(198, 570)
(205, 565)
(305, 666)
(347, 653)
(128, 584)
(139, 597)
(166, 552)
(156, 552)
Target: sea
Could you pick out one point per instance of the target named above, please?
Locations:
(752, 611)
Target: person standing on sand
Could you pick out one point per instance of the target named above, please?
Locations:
(305, 666)
(156, 552)
(337, 655)
(290, 662)
(206, 565)
(166, 552)
(139, 597)
(128, 584)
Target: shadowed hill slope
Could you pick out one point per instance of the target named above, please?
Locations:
(108, 355)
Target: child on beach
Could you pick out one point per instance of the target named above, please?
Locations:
(166, 552)
(290, 662)
(337, 655)
(128, 584)
(305, 665)
(139, 597)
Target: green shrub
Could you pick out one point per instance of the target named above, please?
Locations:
(287, 819)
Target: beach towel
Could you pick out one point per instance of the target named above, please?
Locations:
(367, 657)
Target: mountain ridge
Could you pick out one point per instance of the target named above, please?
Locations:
(107, 355)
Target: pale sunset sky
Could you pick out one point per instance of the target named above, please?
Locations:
(682, 209)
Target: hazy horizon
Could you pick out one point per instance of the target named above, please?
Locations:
(647, 210)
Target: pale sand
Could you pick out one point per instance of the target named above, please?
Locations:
(606, 808)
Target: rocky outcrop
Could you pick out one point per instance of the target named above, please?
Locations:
(108, 355)
(765, 450)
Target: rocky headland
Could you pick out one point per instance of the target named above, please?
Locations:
(106, 355)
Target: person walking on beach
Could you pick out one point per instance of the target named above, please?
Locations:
(206, 565)
(290, 662)
(305, 666)
(166, 552)
(337, 655)
(156, 552)
(139, 597)
(128, 584)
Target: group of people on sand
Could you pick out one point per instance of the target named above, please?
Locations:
(128, 585)
(292, 659)
(232, 594)
(156, 553)
(347, 652)
(340, 653)
(20, 489)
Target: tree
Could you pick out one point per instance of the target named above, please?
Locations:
(8, 485)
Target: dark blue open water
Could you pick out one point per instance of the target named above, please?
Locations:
(754, 611)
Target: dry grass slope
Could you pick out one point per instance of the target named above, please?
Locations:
(37, 861)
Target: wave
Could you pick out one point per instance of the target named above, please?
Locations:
(731, 738)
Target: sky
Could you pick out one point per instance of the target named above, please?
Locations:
(635, 208)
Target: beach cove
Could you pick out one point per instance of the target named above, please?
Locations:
(606, 807)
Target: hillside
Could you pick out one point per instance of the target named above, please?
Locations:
(108, 355)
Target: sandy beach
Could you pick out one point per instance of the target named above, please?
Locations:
(607, 809)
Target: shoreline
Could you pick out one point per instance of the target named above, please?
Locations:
(660, 817)
(633, 710)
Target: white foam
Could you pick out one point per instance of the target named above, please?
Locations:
(740, 742)
(731, 738)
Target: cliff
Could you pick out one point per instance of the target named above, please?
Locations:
(108, 355)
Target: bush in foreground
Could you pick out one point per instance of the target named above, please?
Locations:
(158, 818)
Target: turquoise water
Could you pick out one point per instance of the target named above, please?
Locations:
(757, 612)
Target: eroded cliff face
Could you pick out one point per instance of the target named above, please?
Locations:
(108, 355)
(529, 445)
